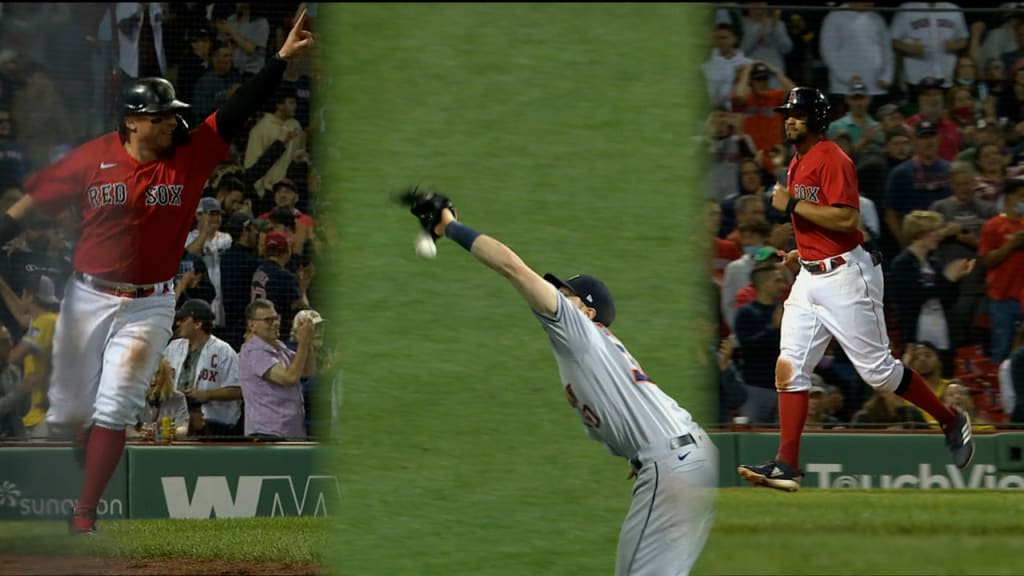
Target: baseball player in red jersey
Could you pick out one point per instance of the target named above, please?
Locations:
(837, 294)
(136, 190)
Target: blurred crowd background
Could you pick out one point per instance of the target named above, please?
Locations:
(927, 99)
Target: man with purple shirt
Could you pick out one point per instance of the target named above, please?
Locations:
(271, 374)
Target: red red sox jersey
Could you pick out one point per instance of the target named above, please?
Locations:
(134, 216)
(826, 176)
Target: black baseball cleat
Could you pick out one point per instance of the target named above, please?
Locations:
(771, 474)
(959, 441)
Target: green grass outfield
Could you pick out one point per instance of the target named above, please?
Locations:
(284, 540)
(564, 131)
(833, 532)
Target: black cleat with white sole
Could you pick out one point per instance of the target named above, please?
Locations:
(771, 474)
(959, 441)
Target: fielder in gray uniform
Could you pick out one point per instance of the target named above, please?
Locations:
(675, 463)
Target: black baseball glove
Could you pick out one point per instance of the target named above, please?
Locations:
(426, 205)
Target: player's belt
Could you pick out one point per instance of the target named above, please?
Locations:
(823, 266)
(119, 290)
(830, 264)
(674, 443)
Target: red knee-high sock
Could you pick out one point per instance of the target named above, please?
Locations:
(921, 395)
(792, 418)
(101, 458)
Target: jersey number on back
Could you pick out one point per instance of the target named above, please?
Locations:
(589, 417)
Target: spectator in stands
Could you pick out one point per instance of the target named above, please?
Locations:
(993, 79)
(215, 86)
(205, 369)
(961, 108)
(927, 360)
(296, 79)
(990, 183)
(758, 331)
(731, 392)
(986, 131)
(274, 282)
(884, 409)
(752, 183)
(286, 196)
(856, 44)
(918, 182)
(273, 126)
(752, 237)
(817, 416)
(722, 69)
(723, 251)
(238, 265)
(140, 39)
(728, 146)
(768, 254)
(271, 374)
(192, 280)
(197, 61)
(163, 400)
(232, 197)
(249, 35)
(928, 40)
(922, 288)
(37, 306)
(958, 396)
(1001, 248)
(765, 38)
(1012, 59)
(999, 40)
(757, 102)
(13, 402)
(44, 127)
(209, 242)
(308, 383)
(861, 128)
(1010, 104)
(747, 209)
(37, 252)
(931, 108)
(14, 159)
(969, 214)
(967, 76)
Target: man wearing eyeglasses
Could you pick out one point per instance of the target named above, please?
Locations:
(271, 374)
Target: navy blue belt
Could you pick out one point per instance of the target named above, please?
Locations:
(677, 442)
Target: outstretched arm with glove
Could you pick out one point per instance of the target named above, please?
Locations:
(437, 216)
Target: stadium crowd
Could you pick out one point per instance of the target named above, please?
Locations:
(927, 100)
(247, 270)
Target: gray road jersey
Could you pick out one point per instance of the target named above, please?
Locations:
(616, 401)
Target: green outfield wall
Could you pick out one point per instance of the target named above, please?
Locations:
(869, 460)
(232, 481)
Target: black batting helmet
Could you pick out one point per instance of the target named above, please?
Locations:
(153, 96)
(810, 100)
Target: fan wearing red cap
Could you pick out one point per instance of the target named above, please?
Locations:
(275, 282)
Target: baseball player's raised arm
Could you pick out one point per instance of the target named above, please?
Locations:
(539, 294)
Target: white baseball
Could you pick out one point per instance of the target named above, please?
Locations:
(425, 247)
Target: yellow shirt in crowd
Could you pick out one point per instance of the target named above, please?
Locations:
(40, 337)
